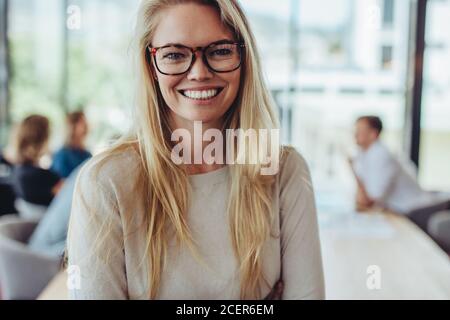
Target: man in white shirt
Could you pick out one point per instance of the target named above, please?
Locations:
(384, 182)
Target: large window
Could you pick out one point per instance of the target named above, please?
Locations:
(3, 71)
(435, 135)
(67, 56)
(340, 66)
(36, 43)
(100, 73)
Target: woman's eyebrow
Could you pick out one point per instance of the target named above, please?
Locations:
(175, 44)
(224, 41)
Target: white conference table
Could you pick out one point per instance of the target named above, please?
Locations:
(409, 264)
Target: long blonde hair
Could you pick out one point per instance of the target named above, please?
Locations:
(250, 196)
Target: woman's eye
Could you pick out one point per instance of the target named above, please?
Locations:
(174, 56)
(221, 52)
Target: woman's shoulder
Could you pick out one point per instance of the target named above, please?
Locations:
(111, 168)
(291, 159)
(293, 168)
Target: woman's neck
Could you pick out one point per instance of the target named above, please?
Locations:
(196, 130)
(76, 144)
(193, 169)
(32, 163)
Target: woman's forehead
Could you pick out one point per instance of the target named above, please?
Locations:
(190, 24)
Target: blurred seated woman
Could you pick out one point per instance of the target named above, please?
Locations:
(74, 152)
(31, 182)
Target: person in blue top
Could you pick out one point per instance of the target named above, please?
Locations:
(74, 151)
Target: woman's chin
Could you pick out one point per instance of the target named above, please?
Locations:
(204, 119)
(205, 116)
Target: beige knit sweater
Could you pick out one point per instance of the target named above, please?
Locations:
(294, 256)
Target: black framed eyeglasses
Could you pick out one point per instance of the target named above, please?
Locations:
(176, 59)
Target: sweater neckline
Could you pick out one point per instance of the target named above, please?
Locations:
(209, 179)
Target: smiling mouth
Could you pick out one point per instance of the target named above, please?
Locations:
(201, 94)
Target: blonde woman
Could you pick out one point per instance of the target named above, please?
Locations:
(145, 227)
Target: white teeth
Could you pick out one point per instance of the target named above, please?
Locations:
(201, 95)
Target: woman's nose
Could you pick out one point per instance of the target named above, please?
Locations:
(199, 71)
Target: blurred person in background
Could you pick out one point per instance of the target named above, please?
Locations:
(74, 151)
(32, 183)
(382, 181)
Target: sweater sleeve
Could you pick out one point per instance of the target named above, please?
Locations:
(302, 271)
(95, 238)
